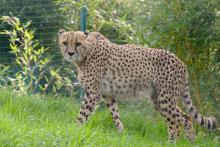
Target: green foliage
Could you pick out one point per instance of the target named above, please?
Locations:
(190, 29)
(103, 16)
(27, 57)
(34, 72)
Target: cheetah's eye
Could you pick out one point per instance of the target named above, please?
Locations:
(78, 44)
(65, 43)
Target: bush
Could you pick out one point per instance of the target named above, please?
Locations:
(32, 71)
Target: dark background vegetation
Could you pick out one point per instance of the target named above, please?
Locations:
(190, 29)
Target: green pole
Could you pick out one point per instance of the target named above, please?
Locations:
(83, 15)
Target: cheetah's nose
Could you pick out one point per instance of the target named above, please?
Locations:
(70, 54)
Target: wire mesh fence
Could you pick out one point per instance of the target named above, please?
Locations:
(45, 18)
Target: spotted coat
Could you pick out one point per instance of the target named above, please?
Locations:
(130, 72)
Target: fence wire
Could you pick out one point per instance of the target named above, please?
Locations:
(45, 18)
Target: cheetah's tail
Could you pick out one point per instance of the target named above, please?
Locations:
(206, 122)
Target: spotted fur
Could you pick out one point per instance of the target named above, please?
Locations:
(131, 72)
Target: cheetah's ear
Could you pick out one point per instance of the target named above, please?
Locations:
(61, 31)
(97, 35)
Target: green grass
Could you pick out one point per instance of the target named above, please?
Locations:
(33, 120)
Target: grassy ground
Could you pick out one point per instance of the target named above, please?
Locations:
(44, 121)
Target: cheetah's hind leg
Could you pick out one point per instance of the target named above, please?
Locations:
(167, 105)
(185, 120)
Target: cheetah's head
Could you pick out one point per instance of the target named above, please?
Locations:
(75, 46)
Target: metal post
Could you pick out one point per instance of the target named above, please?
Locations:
(83, 14)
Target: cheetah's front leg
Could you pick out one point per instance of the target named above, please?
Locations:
(113, 108)
(87, 107)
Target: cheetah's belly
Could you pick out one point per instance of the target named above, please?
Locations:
(128, 92)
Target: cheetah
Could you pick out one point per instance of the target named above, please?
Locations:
(110, 72)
